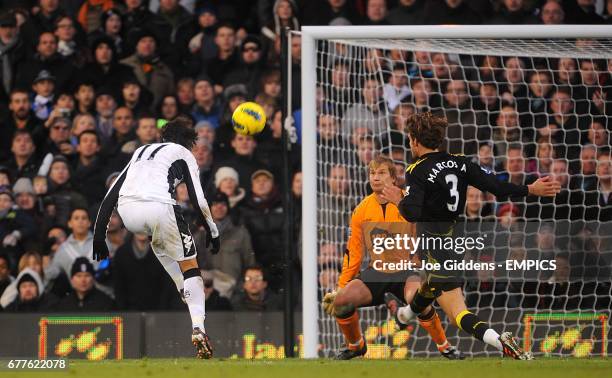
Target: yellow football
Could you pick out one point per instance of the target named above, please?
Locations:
(249, 118)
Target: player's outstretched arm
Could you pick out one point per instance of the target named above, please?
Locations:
(100, 249)
(488, 182)
(198, 201)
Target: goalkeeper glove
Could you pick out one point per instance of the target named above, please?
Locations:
(100, 250)
(328, 303)
(216, 244)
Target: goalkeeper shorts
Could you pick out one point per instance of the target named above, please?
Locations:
(380, 283)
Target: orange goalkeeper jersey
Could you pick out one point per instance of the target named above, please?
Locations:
(369, 217)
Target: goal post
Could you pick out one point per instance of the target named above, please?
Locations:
(525, 41)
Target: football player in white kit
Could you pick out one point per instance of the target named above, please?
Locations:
(145, 195)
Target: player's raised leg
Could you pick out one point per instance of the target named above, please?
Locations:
(354, 295)
(195, 299)
(453, 304)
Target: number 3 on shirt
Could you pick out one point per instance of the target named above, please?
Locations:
(454, 194)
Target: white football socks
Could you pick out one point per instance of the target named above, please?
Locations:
(173, 269)
(194, 296)
(492, 338)
(405, 314)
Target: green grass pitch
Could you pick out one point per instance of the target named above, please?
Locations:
(418, 367)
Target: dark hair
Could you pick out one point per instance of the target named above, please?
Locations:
(180, 131)
(22, 132)
(18, 90)
(255, 267)
(72, 211)
(89, 132)
(427, 129)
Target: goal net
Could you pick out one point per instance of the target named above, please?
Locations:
(520, 107)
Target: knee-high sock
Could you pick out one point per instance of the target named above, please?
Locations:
(194, 296)
(472, 324)
(351, 330)
(173, 269)
(433, 326)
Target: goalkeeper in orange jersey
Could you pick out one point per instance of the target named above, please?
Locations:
(365, 278)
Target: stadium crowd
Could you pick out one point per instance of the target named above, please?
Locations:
(84, 83)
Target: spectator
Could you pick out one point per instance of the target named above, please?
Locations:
(20, 117)
(243, 159)
(31, 294)
(236, 251)
(513, 12)
(255, 295)
(583, 12)
(111, 27)
(463, 122)
(567, 72)
(539, 92)
(552, 13)
(16, 226)
(84, 297)
(285, 15)
(105, 70)
(23, 163)
(586, 180)
(174, 27)
(169, 108)
(105, 108)
(407, 12)
(140, 282)
(202, 45)
(438, 12)
(559, 293)
(91, 12)
(48, 59)
(78, 244)
(514, 90)
(63, 195)
(58, 142)
(376, 12)
(566, 121)
(43, 86)
(203, 152)
(599, 202)
(213, 299)
(205, 107)
(250, 69)
(227, 182)
(69, 43)
(42, 21)
(85, 97)
(5, 273)
(13, 53)
(545, 154)
(396, 90)
(31, 260)
(184, 94)
(263, 217)
(368, 112)
(514, 167)
(136, 98)
(149, 69)
(136, 17)
(27, 201)
(327, 11)
(121, 138)
(89, 168)
(226, 59)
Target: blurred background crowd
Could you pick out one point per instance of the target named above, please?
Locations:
(83, 84)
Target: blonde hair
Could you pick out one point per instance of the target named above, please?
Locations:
(381, 160)
(24, 262)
